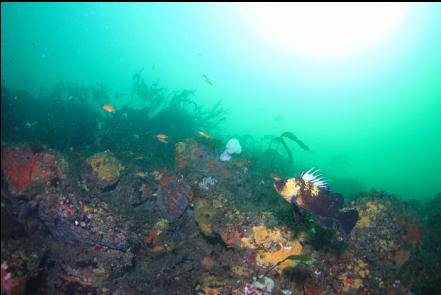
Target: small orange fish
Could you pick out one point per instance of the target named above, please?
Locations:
(69, 278)
(162, 138)
(204, 134)
(141, 174)
(108, 108)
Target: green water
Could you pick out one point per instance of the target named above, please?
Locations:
(374, 118)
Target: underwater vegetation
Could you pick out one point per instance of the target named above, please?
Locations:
(72, 117)
(328, 240)
(101, 197)
(427, 278)
(50, 116)
(153, 96)
(164, 148)
(280, 141)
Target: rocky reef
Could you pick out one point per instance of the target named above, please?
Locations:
(115, 211)
(91, 226)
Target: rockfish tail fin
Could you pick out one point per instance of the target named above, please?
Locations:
(347, 218)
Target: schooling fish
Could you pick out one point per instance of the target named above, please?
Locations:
(278, 118)
(204, 134)
(141, 174)
(309, 192)
(206, 79)
(162, 138)
(108, 108)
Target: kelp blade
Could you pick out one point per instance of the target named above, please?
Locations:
(294, 138)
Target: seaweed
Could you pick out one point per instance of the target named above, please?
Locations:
(182, 99)
(284, 216)
(212, 118)
(280, 141)
(327, 240)
(423, 269)
(153, 96)
(61, 117)
(302, 260)
(294, 138)
(298, 274)
(99, 94)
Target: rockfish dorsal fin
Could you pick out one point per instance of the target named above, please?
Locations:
(314, 178)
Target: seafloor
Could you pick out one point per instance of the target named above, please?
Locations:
(81, 217)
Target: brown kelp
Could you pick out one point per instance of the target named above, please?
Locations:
(210, 119)
(294, 138)
(62, 117)
(276, 142)
(152, 94)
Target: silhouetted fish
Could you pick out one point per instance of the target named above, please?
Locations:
(207, 80)
(309, 192)
(278, 118)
